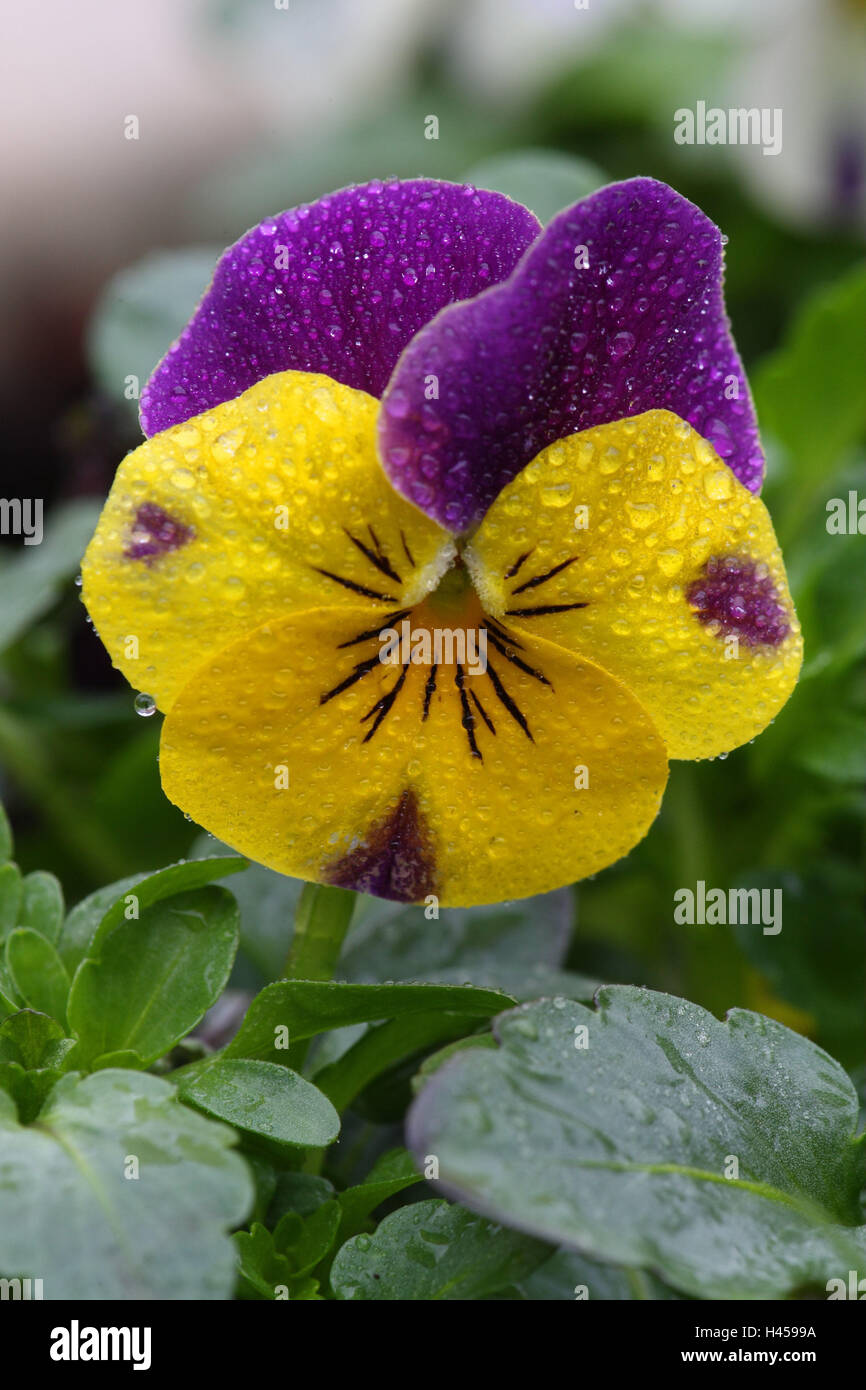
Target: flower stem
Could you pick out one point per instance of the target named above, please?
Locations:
(322, 919)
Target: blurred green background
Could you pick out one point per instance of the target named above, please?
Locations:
(246, 108)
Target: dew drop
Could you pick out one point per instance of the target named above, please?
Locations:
(621, 345)
(719, 485)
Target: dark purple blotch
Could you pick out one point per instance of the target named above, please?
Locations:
(395, 859)
(155, 533)
(739, 594)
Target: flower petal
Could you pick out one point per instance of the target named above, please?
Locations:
(267, 505)
(273, 749)
(339, 287)
(616, 309)
(634, 546)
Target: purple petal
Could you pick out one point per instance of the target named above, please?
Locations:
(564, 345)
(340, 287)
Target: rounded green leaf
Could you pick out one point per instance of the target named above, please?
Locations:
(37, 972)
(264, 1099)
(156, 977)
(433, 1251)
(91, 920)
(120, 1192)
(41, 904)
(648, 1133)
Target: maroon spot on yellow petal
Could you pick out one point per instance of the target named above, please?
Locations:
(395, 859)
(738, 594)
(154, 533)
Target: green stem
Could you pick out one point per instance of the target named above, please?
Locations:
(322, 919)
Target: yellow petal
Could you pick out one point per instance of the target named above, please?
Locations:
(510, 792)
(648, 535)
(241, 515)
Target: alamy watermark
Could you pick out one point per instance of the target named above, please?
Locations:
(77, 1343)
(443, 646)
(21, 1289)
(702, 906)
(22, 516)
(738, 125)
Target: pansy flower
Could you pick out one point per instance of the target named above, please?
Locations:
(406, 412)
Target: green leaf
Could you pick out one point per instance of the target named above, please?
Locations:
(33, 1040)
(383, 1045)
(8, 1003)
(507, 946)
(836, 750)
(822, 972)
(156, 977)
(545, 181)
(37, 972)
(41, 904)
(6, 841)
(80, 926)
(95, 1231)
(438, 1059)
(166, 883)
(641, 74)
(142, 311)
(265, 1100)
(433, 1251)
(719, 1154)
(33, 1055)
(262, 1270)
(811, 394)
(276, 1266)
(31, 581)
(11, 892)
(308, 1007)
(570, 1276)
(307, 1240)
(302, 1193)
(94, 917)
(393, 1173)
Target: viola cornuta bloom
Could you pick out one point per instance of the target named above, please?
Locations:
(406, 409)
